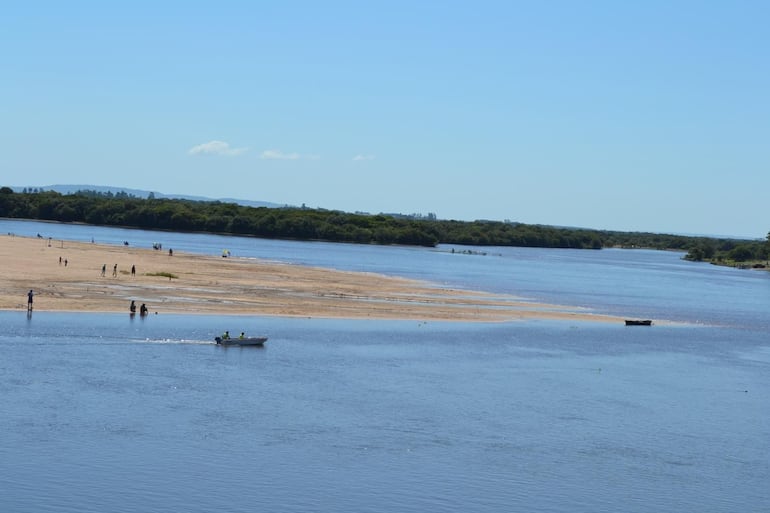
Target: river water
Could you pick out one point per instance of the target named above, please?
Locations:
(105, 413)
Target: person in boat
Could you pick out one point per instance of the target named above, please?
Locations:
(226, 335)
(242, 336)
(143, 309)
(132, 308)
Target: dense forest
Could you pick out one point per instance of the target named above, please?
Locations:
(124, 210)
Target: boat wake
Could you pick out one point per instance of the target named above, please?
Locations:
(177, 341)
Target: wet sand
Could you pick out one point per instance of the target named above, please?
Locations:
(198, 284)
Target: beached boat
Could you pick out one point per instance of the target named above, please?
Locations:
(246, 341)
(638, 322)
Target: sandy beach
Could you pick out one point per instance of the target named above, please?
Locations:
(67, 276)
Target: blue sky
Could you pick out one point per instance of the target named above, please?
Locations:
(650, 116)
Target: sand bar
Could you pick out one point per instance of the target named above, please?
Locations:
(198, 284)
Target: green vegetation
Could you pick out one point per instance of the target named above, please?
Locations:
(178, 215)
(739, 253)
(163, 274)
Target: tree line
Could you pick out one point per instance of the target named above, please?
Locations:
(730, 251)
(300, 223)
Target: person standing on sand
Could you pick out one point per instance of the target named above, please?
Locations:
(133, 270)
(114, 270)
(30, 294)
(104, 269)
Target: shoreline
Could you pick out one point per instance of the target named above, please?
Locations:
(66, 276)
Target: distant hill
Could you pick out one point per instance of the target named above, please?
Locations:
(71, 189)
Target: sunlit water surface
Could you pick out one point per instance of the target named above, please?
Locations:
(108, 413)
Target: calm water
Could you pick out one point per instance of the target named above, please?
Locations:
(104, 413)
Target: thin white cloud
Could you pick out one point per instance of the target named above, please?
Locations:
(216, 148)
(363, 157)
(279, 155)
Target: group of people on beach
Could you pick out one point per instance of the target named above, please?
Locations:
(115, 270)
(142, 309)
(158, 246)
(132, 308)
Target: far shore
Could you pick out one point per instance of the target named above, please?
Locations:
(67, 276)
